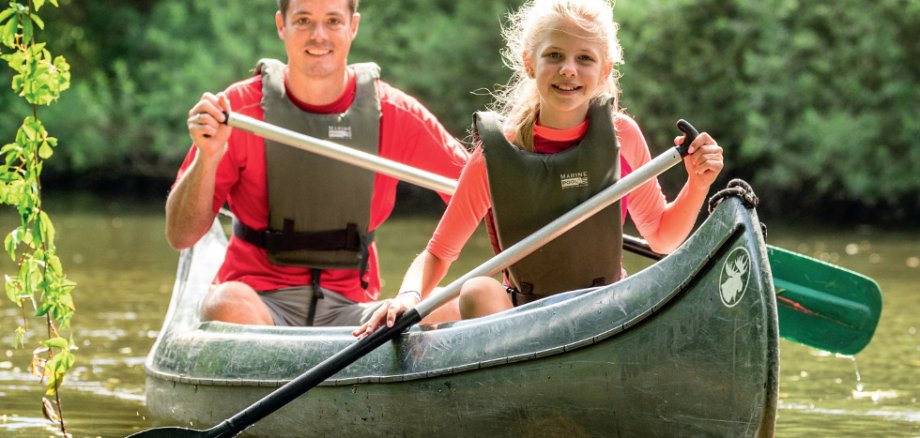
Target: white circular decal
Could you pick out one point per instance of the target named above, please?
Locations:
(735, 273)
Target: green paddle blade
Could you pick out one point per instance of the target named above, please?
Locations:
(822, 305)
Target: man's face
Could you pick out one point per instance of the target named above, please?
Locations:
(317, 36)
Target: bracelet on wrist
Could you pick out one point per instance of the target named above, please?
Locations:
(414, 293)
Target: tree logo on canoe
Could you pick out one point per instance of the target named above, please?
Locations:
(735, 273)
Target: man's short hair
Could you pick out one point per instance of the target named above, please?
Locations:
(283, 6)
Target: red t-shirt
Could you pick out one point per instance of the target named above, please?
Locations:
(409, 134)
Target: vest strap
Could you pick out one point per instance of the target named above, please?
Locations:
(317, 295)
(270, 240)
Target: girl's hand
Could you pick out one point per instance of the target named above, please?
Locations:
(704, 161)
(388, 311)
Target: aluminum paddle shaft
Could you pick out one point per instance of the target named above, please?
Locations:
(342, 153)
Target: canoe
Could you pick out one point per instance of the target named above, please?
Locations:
(685, 347)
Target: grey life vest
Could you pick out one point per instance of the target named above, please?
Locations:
(319, 208)
(529, 190)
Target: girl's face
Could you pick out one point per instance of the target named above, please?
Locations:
(568, 67)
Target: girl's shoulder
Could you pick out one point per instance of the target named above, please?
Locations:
(627, 128)
(624, 122)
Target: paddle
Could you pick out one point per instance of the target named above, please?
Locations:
(335, 363)
(818, 304)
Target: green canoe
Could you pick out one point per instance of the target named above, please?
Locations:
(686, 347)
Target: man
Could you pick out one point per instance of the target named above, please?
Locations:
(302, 250)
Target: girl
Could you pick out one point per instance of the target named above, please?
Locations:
(555, 138)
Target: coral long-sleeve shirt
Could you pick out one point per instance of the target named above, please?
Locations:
(471, 201)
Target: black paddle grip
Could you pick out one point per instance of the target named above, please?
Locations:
(690, 134)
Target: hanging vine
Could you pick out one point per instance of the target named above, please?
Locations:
(40, 287)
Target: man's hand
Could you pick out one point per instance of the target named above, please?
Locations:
(206, 127)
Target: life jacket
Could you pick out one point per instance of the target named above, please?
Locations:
(319, 208)
(529, 190)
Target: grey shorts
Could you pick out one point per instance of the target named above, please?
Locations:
(290, 307)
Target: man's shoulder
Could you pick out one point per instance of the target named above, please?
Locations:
(398, 100)
(246, 91)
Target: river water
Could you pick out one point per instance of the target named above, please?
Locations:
(116, 252)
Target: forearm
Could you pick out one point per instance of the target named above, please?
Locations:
(424, 274)
(678, 219)
(189, 207)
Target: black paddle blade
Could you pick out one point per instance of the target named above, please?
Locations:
(170, 432)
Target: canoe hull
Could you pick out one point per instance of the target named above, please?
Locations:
(679, 349)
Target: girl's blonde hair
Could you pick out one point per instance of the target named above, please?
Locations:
(518, 101)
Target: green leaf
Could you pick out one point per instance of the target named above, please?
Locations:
(67, 286)
(47, 227)
(11, 242)
(37, 4)
(27, 30)
(6, 13)
(13, 289)
(67, 301)
(9, 31)
(35, 273)
(54, 262)
(58, 342)
(9, 148)
(45, 151)
(37, 20)
(29, 129)
(26, 237)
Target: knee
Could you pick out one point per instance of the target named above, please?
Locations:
(479, 289)
(225, 300)
(482, 296)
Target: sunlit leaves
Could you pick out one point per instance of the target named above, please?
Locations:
(9, 20)
(57, 367)
(18, 23)
(53, 366)
(39, 78)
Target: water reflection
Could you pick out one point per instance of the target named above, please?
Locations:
(117, 254)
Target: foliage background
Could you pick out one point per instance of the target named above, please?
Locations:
(814, 102)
